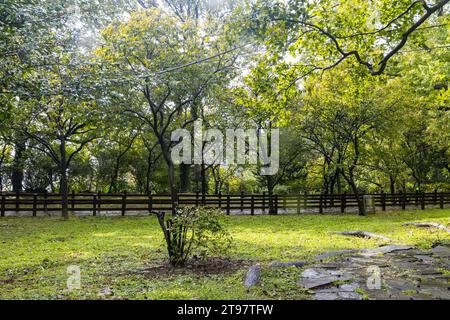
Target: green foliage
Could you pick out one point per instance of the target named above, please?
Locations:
(265, 63)
(195, 231)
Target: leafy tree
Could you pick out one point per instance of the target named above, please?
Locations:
(142, 49)
(339, 113)
(319, 36)
(62, 118)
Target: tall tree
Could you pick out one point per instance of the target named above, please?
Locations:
(142, 50)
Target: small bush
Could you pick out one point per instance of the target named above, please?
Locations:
(194, 230)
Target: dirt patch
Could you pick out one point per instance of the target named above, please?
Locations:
(198, 267)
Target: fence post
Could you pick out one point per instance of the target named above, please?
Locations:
(94, 204)
(298, 203)
(124, 202)
(343, 202)
(203, 199)
(242, 201)
(276, 204)
(284, 204)
(150, 201)
(441, 200)
(435, 197)
(99, 199)
(220, 199)
(252, 205)
(73, 199)
(383, 200)
(34, 204)
(422, 201)
(417, 198)
(45, 202)
(3, 206)
(17, 201)
(264, 202)
(404, 200)
(321, 203)
(228, 204)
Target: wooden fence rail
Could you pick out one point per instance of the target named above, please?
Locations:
(123, 203)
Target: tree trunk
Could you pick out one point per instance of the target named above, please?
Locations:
(326, 176)
(63, 189)
(51, 180)
(216, 178)
(113, 183)
(148, 173)
(185, 177)
(391, 184)
(350, 178)
(361, 207)
(197, 177)
(17, 167)
(338, 182)
(204, 179)
(151, 162)
(173, 187)
(333, 182)
(270, 187)
(216, 187)
(2, 159)
(170, 174)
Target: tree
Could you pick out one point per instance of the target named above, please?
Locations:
(321, 35)
(151, 41)
(61, 118)
(339, 113)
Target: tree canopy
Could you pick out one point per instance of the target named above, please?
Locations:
(90, 93)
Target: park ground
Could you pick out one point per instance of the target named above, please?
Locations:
(124, 257)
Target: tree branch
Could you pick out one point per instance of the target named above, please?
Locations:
(429, 11)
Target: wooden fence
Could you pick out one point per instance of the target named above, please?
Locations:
(123, 203)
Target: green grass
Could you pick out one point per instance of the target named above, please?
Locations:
(35, 254)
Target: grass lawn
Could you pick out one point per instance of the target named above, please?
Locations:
(112, 252)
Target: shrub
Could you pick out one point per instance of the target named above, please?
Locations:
(194, 230)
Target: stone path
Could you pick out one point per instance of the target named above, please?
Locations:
(389, 272)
